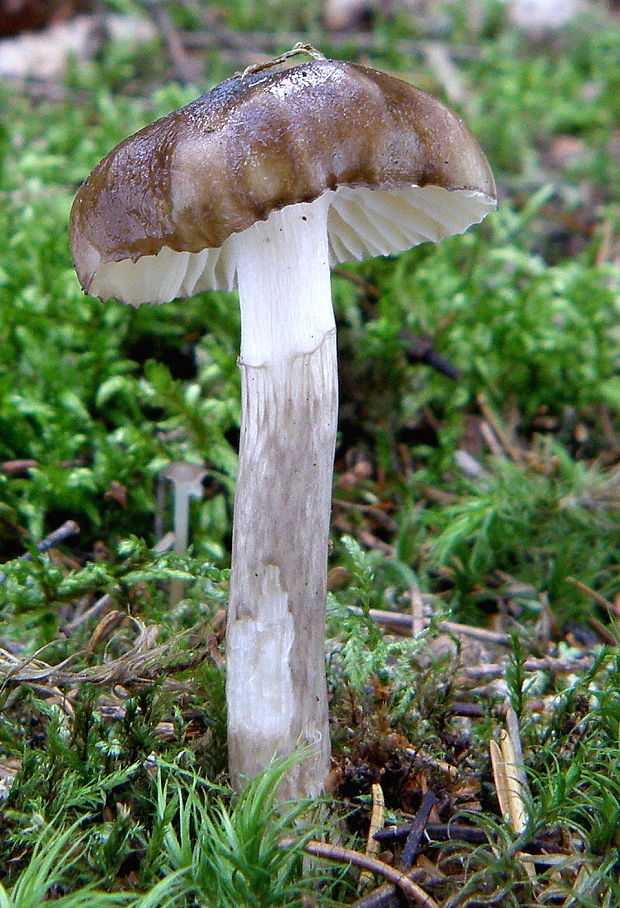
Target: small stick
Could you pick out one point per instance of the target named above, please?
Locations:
(68, 528)
(16, 467)
(510, 449)
(299, 48)
(184, 67)
(91, 612)
(372, 510)
(548, 664)
(106, 626)
(442, 832)
(509, 775)
(64, 531)
(219, 37)
(163, 545)
(467, 710)
(605, 635)
(348, 856)
(516, 802)
(512, 726)
(386, 895)
(596, 597)
(369, 288)
(398, 620)
(376, 823)
(499, 777)
(412, 844)
(439, 59)
(421, 350)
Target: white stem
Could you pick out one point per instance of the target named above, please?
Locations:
(276, 690)
(181, 519)
(181, 535)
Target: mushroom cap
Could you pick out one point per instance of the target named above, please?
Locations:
(152, 220)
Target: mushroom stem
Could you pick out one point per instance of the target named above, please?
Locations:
(276, 689)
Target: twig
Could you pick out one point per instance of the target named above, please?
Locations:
(511, 450)
(386, 896)
(64, 531)
(507, 786)
(220, 38)
(106, 626)
(372, 510)
(17, 467)
(397, 621)
(368, 288)
(605, 635)
(596, 597)
(512, 726)
(93, 612)
(442, 832)
(439, 59)
(412, 843)
(509, 775)
(348, 856)
(467, 710)
(546, 664)
(421, 350)
(376, 823)
(184, 68)
(608, 427)
(605, 249)
(144, 662)
(162, 545)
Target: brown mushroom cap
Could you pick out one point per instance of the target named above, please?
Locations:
(401, 167)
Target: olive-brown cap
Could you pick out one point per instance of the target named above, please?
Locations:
(399, 166)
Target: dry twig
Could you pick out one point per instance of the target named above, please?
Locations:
(546, 664)
(376, 823)
(347, 856)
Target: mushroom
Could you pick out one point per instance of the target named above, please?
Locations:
(186, 479)
(262, 184)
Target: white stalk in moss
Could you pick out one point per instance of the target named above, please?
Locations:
(276, 688)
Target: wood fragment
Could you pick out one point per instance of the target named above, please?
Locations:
(512, 725)
(376, 513)
(421, 350)
(441, 832)
(499, 777)
(605, 635)
(412, 842)
(17, 467)
(592, 594)
(386, 895)
(162, 545)
(516, 804)
(106, 626)
(221, 38)
(402, 622)
(512, 450)
(439, 59)
(507, 763)
(546, 664)
(184, 68)
(65, 531)
(376, 823)
(342, 855)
